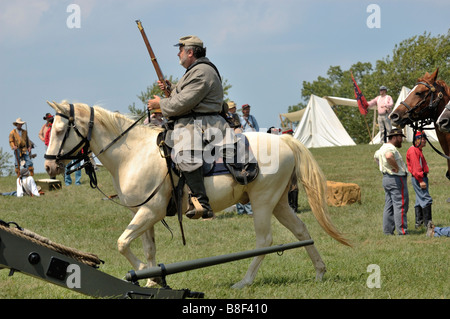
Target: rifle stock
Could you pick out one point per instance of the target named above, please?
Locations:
(153, 58)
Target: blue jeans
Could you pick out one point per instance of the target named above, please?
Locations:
(423, 198)
(244, 209)
(13, 193)
(441, 231)
(25, 157)
(68, 178)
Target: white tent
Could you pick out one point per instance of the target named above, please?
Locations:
(320, 127)
(408, 131)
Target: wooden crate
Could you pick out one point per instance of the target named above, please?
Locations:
(49, 184)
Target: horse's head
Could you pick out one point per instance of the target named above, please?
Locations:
(70, 134)
(421, 102)
(443, 122)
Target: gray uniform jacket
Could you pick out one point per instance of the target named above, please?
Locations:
(199, 90)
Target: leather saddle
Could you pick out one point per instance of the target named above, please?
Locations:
(242, 164)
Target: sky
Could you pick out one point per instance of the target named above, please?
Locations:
(91, 51)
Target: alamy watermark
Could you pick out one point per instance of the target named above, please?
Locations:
(74, 19)
(195, 145)
(74, 276)
(374, 19)
(374, 279)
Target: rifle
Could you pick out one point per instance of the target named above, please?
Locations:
(159, 73)
(28, 143)
(16, 154)
(166, 91)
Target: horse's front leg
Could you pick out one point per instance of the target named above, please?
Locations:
(149, 245)
(142, 221)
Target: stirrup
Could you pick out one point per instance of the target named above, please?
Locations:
(198, 210)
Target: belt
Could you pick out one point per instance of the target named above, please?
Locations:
(395, 175)
(192, 114)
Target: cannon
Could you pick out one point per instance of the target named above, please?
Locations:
(36, 256)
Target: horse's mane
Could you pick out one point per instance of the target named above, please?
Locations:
(113, 121)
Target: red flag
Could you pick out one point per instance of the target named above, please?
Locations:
(362, 102)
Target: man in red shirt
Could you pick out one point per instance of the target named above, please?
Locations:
(417, 166)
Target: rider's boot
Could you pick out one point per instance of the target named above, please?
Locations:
(195, 182)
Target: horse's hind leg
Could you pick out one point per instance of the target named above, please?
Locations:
(286, 216)
(261, 219)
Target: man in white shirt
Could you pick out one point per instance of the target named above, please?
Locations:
(25, 185)
(395, 173)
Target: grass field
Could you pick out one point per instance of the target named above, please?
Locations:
(413, 266)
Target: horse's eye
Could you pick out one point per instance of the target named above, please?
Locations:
(419, 93)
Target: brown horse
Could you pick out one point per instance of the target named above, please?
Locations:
(424, 104)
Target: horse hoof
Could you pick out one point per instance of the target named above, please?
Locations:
(320, 274)
(240, 285)
(153, 282)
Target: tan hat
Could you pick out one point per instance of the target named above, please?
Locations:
(18, 121)
(396, 131)
(231, 105)
(190, 40)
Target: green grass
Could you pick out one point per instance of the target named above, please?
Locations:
(414, 266)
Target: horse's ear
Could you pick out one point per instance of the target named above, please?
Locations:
(58, 108)
(53, 105)
(435, 75)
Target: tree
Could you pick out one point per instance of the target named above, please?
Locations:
(5, 167)
(410, 60)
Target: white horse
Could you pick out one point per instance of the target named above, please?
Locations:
(443, 121)
(137, 169)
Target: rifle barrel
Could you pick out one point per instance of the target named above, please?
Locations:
(153, 58)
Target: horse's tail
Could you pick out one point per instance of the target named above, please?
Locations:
(313, 180)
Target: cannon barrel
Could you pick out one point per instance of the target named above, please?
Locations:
(162, 270)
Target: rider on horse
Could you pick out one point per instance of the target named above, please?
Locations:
(193, 109)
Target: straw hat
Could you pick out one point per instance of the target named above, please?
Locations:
(18, 121)
(231, 105)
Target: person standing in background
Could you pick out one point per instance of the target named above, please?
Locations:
(395, 173)
(418, 167)
(384, 103)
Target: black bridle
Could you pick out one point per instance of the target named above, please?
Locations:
(84, 154)
(432, 106)
(83, 144)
